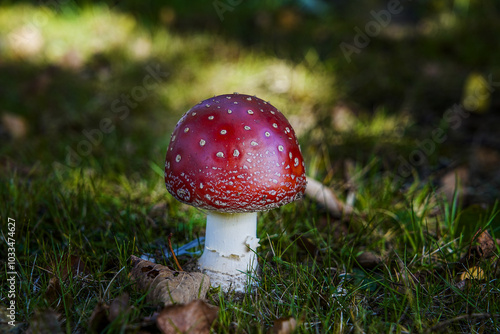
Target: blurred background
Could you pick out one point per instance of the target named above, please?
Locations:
(408, 88)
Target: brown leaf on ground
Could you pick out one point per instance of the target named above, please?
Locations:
(99, 318)
(54, 292)
(368, 260)
(70, 266)
(483, 248)
(46, 321)
(284, 325)
(104, 314)
(119, 306)
(472, 273)
(168, 286)
(486, 244)
(194, 318)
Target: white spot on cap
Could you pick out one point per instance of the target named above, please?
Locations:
(182, 193)
(250, 112)
(228, 97)
(186, 130)
(207, 105)
(173, 138)
(254, 143)
(202, 142)
(236, 153)
(210, 117)
(207, 196)
(220, 154)
(296, 162)
(223, 132)
(167, 164)
(229, 111)
(249, 98)
(280, 148)
(201, 185)
(178, 158)
(290, 155)
(247, 127)
(193, 114)
(267, 134)
(275, 125)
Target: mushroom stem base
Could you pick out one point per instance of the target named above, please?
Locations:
(229, 254)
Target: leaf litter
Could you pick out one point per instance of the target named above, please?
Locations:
(166, 286)
(195, 317)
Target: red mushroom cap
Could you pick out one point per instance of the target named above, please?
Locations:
(234, 153)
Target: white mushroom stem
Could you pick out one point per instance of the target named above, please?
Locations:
(229, 254)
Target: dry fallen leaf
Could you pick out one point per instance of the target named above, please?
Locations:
(472, 273)
(484, 248)
(168, 286)
(70, 266)
(119, 306)
(284, 325)
(99, 318)
(486, 244)
(194, 318)
(104, 314)
(54, 295)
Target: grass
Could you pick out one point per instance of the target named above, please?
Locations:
(80, 218)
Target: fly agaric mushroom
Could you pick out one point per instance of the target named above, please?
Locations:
(233, 155)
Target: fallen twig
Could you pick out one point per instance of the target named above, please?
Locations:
(325, 196)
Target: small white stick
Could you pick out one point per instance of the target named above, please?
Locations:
(325, 196)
